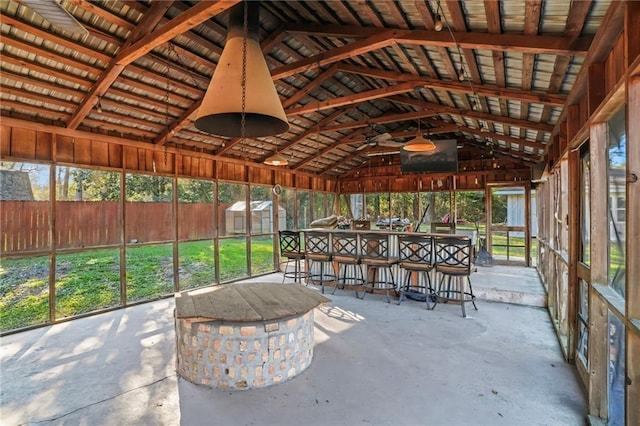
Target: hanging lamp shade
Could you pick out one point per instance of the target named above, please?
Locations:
(419, 144)
(221, 110)
(276, 160)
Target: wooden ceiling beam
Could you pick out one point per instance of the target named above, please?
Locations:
(305, 135)
(354, 98)
(443, 109)
(115, 67)
(520, 43)
(375, 42)
(192, 17)
(532, 9)
(455, 86)
(390, 118)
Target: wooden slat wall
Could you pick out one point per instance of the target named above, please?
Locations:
(18, 144)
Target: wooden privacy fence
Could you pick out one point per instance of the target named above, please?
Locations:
(24, 225)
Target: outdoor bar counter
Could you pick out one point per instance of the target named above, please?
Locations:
(243, 336)
(398, 274)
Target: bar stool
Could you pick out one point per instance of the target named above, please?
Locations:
(317, 246)
(346, 254)
(290, 248)
(415, 253)
(376, 255)
(453, 264)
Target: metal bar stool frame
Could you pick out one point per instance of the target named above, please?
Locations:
(291, 249)
(416, 257)
(453, 261)
(346, 254)
(317, 247)
(377, 257)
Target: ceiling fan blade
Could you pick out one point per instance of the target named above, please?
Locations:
(363, 146)
(383, 137)
(391, 143)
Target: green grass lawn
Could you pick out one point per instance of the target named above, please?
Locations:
(90, 280)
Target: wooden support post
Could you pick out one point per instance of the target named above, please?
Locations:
(598, 326)
(632, 238)
(574, 255)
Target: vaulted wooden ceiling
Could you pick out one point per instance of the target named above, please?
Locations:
(345, 70)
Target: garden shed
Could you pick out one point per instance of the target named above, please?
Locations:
(262, 215)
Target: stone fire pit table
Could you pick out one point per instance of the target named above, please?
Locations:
(243, 336)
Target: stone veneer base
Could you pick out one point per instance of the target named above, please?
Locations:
(244, 355)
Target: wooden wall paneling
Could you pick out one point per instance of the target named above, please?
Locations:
(146, 160)
(303, 182)
(184, 165)
(82, 151)
(165, 162)
(23, 143)
(207, 168)
(632, 24)
(115, 155)
(5, 141)
(44, 146)
(131, 158)
(64, 149)
(99, 153)
(598, 353)
(595, 87)
(260, 175)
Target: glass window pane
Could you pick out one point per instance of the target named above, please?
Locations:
(470, 211)
(377, 207)
(196, 264)
(196, 230)
(24, 207)
(616, 371)
(233, 259)
(287, 201)
(617, 165)
(583, 321)
(304, 209)
(439, 207)
(149, 272)
(232, 217)
(149, 209)
(24, 295)
(195, 209)
(262, 256)
(262, 214)
(87, 281)
(88, 208)
(318, 205)
(331, 204)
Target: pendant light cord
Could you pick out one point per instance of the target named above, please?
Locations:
(245, 29)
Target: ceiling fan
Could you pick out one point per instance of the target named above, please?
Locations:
(382, 139)
(56, 14)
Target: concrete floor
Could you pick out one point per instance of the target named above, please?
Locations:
(374, 363)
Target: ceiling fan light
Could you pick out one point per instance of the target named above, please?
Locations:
(276, 160)
(419, 144)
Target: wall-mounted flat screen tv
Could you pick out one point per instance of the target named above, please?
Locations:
(442, 159)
